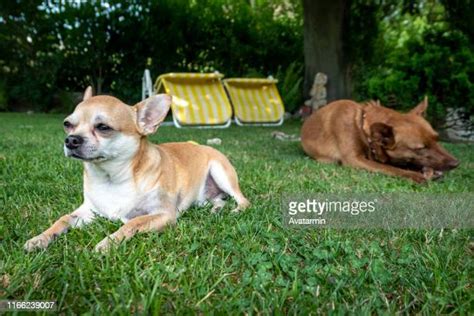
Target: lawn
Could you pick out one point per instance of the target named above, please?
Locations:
(247, 262)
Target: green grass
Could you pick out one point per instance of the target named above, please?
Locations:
(247, 262)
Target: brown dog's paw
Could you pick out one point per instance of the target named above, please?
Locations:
(38, 242)
(418, 177)
(431, 174)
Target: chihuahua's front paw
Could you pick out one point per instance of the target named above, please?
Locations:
(39, 242)
(105, 244)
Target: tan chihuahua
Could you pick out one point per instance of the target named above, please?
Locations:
(127, 178)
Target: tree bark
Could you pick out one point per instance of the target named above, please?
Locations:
(324, 25)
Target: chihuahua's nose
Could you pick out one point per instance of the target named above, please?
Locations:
(73, 141)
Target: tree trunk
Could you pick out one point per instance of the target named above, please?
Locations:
(324, 26)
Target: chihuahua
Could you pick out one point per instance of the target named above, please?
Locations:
(128, 178)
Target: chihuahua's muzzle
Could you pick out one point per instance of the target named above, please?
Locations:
(73, 147)
(76, 146)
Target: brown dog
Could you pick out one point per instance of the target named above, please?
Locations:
(376, 138)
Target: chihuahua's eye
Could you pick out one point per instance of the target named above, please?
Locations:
(67, 124)
(103, 128)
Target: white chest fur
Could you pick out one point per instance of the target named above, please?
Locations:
(117, 198)
(113, 201)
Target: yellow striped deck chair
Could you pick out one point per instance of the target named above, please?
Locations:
(198, 99)
(255, 101)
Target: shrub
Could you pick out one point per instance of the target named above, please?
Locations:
(290, 86)
(109, 43)
(419, 55)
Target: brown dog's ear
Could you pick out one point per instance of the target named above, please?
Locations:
(382, 135)
(420, 109)
(87, 93)
(151, 112)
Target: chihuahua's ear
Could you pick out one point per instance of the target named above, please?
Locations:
(151, 112)
(382, 135)
(420, 109)
(87, 93)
